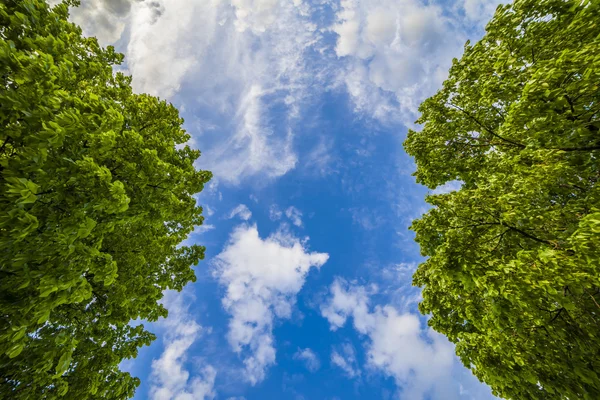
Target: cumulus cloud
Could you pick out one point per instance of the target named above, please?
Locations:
(235, 60)
(421, 361)
(169, 379)
(256, 15)
(294, 215)
(160, 48)
(262, 278)
(346, 360)
(230, 61)
(233, 63)
(241, 211)
(104, 19)
(398, 51)
(309, 358)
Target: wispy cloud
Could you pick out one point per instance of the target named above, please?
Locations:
(241, 211)
(346, 360)
(275, 213)
(232, 63)
(170, 379)
(262, 278)
(294, 215)
(309, 358)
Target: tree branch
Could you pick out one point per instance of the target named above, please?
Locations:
(487, 129)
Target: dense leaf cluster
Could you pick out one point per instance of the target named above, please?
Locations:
(513, 269)
(96, 195)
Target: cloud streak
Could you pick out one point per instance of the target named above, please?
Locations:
(242, 211)
(346, 360)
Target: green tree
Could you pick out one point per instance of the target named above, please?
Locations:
(96, 196)
(513, 269)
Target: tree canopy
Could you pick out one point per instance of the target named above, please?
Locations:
(513, 269)
(96, 196)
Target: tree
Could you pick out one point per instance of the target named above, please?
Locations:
(96, 196)
(513, 269)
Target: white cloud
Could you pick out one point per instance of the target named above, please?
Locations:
(241, 211)
(230, 60)
(480, 10)
(262, 278)
(231, 63)
(421, 361)
(212, 189)
(235, 60)
(448, 187)
(105, 19)
(209, 210)
(346, 360)
(398, 51)
(256, 15)
(275, 213)
(294, 215)
(320, 159)
(169, 379)
(161, 49)
(203, 228)
(310, 359)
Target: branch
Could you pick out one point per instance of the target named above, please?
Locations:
(499, 240)
(593, 298)
(557, 314)
(4, 144)
(491, 132)
(475, 225)
(529, 235)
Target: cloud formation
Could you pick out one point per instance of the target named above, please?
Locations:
(232, 63)
(294, 215)
(240, 59)
(262, 278)
(169, 379)
(241, 211)
(421, 361)
(397, 53)
(309, 358)
(275, 213)
(346, 360)
(104, 19)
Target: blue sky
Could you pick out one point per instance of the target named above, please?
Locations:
(300, 109)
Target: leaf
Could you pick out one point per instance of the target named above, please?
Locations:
(64, 362)
(15, 350)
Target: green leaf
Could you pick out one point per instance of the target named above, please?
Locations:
(63, 363)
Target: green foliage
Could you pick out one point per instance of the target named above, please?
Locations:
(96, 195)
(513, 269)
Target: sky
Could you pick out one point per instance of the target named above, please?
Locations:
(300, 109)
